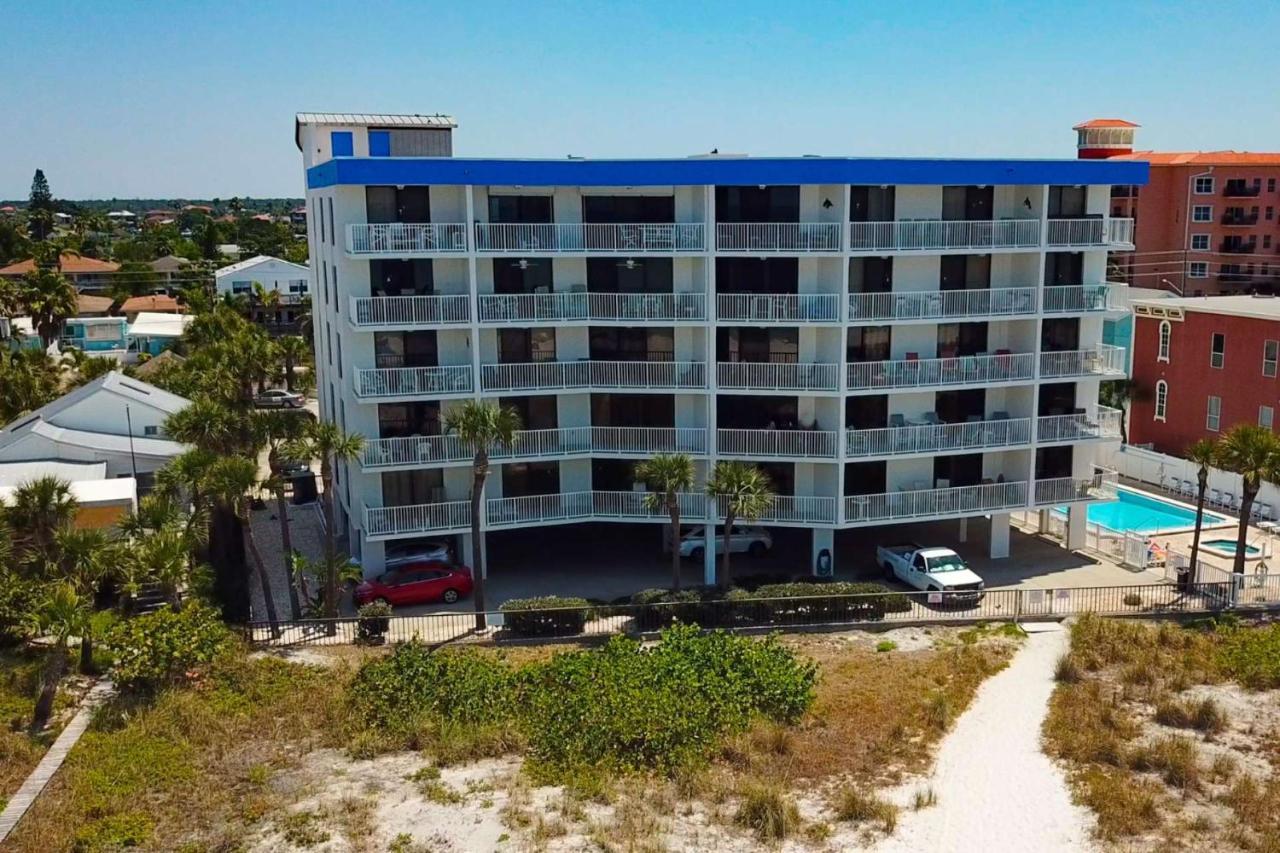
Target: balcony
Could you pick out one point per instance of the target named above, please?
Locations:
(402, 239)
(943, 304)
(1240, 190)
(1120, 233)
(524, 308)
(798, 509)
(790, 308)
(381, 522)
(777, 443)
(1102, 360)
(1103, 426)
(911, 438)
(415, 451)
(578, 238)
(1234, 247)
(778, 237)
(771, 376)
(588, 375)
(396, 382)
(963, 370)
(389, 312)
(935, 503)
(1061, 490)
(923, 235)
(1071, 299)
(1233, 217)
(1090, 231)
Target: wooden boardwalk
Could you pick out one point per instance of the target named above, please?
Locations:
(26, 795)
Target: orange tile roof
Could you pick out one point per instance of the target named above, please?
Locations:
(89, 304)
(1204, 158)
(1104, 122)
(71, 265)
(155, 302)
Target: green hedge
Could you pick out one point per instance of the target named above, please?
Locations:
(782, 603)
(167, 646)
(548, 616)
(839, 601)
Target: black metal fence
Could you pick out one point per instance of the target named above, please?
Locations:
(749, 613)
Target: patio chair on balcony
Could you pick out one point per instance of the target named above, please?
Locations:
(931, 419)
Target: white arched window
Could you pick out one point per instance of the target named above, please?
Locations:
(1162, 399)
(1166, 332)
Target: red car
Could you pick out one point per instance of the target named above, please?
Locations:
(417, 583)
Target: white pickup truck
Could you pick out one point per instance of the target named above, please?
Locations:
(932, 570)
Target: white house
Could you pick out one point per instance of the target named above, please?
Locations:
(113, 419)
(287, 279)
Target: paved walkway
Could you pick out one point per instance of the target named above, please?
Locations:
(53, 759)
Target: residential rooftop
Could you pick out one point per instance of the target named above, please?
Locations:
(1262, 307)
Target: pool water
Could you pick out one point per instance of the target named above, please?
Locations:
(1228, 546)
(1135, 512)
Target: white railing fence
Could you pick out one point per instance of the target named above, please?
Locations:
(524, 307)
(778, 236)
(395, 238)
(551, 375)
(1101, 486)
(944, 303)
(931, 438)
(1102, 360)
(777, 442)
(957, 500)
(413, 381)
(769, 376)
(963, 370)
(444, 309)
(1070, 298)
(1105, 424)
(589, 238)
(778, 307)
(926, 234)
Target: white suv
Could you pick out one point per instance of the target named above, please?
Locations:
(755, 541)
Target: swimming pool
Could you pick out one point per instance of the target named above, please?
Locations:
(1136, 512)
(1227, 547)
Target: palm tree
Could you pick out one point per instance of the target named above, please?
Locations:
(211, 426)
(232, 479)
(50, 298)
(1204, 453)
(85, 559)
(279, 430)
(1118, 394)
(327, 442)
(481, 426)
(294, 350)
(37, 510)
(668, 475)
(163, 556)
(743, 491)
(61, 615)
(1254, 453)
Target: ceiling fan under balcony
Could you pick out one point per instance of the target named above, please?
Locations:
(630, 264)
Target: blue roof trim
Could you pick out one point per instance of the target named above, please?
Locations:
(725, 171)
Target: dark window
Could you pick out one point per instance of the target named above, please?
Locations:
(520, 208)
(1060, 334)
(956, 407)
(521, 346)
(756, 345)
(1271, 185)
(1057, 398)
(621, 343)
(753, 204)
(757, 275)
(613, 475)
(865, 478)
(951, 471)
(868, 343)
(537, 412)
(867, 412)
(1053, 462)
(734, 411)
(401, 278)
(1067, 202)
(629, 275)
(961, 272)
(870, 275)
(957, 339)
(1217, 349)
(1271, 212)
(419, 486)
(1063, 269)
(417, 417)
(968, 203)
(530, 478)
(655, 410)
(522, 275)
(627, 209)
(871, 204)
(405, 349)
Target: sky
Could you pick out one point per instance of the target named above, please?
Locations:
(183, 100)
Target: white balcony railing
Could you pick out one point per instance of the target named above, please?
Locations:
(631, 307)
(752, 443)
(801, 509)
(1076, 299)
(442, 310)
(1077, 232)
(1102, 360)
(1104, 425)
(933, 503)
(930, 234)
(935, 438)
(928, 305)
(418, 518)
(964, 370)
(586, 506)
(770, 376)
(590, 238)
(413, 381)
(559, 375)
(411, 451)
(1120, 233)
(1060, 490)
(784, 237)
(778, 307)
(407, 238)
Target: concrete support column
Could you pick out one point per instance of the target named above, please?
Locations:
(709, 558)
(373, 558)
(1042, 521)
(823, 538)
(464, 552)
(1077, 521)
(999, 535)
(963, 535)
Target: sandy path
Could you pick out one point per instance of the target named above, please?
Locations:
(996, 790)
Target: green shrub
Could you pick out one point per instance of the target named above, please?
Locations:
(114, 832)
(1204, 716)
(857, 806)
(768, 812)
(167, 646)
(705, 606)
(630, 708)
(374, 620)
(1252, 655)
(841, 601)
(416, 686)
(548, 616)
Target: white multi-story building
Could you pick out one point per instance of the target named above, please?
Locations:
(891, 339)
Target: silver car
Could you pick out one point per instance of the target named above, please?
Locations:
(755, 541)
(278, 398)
